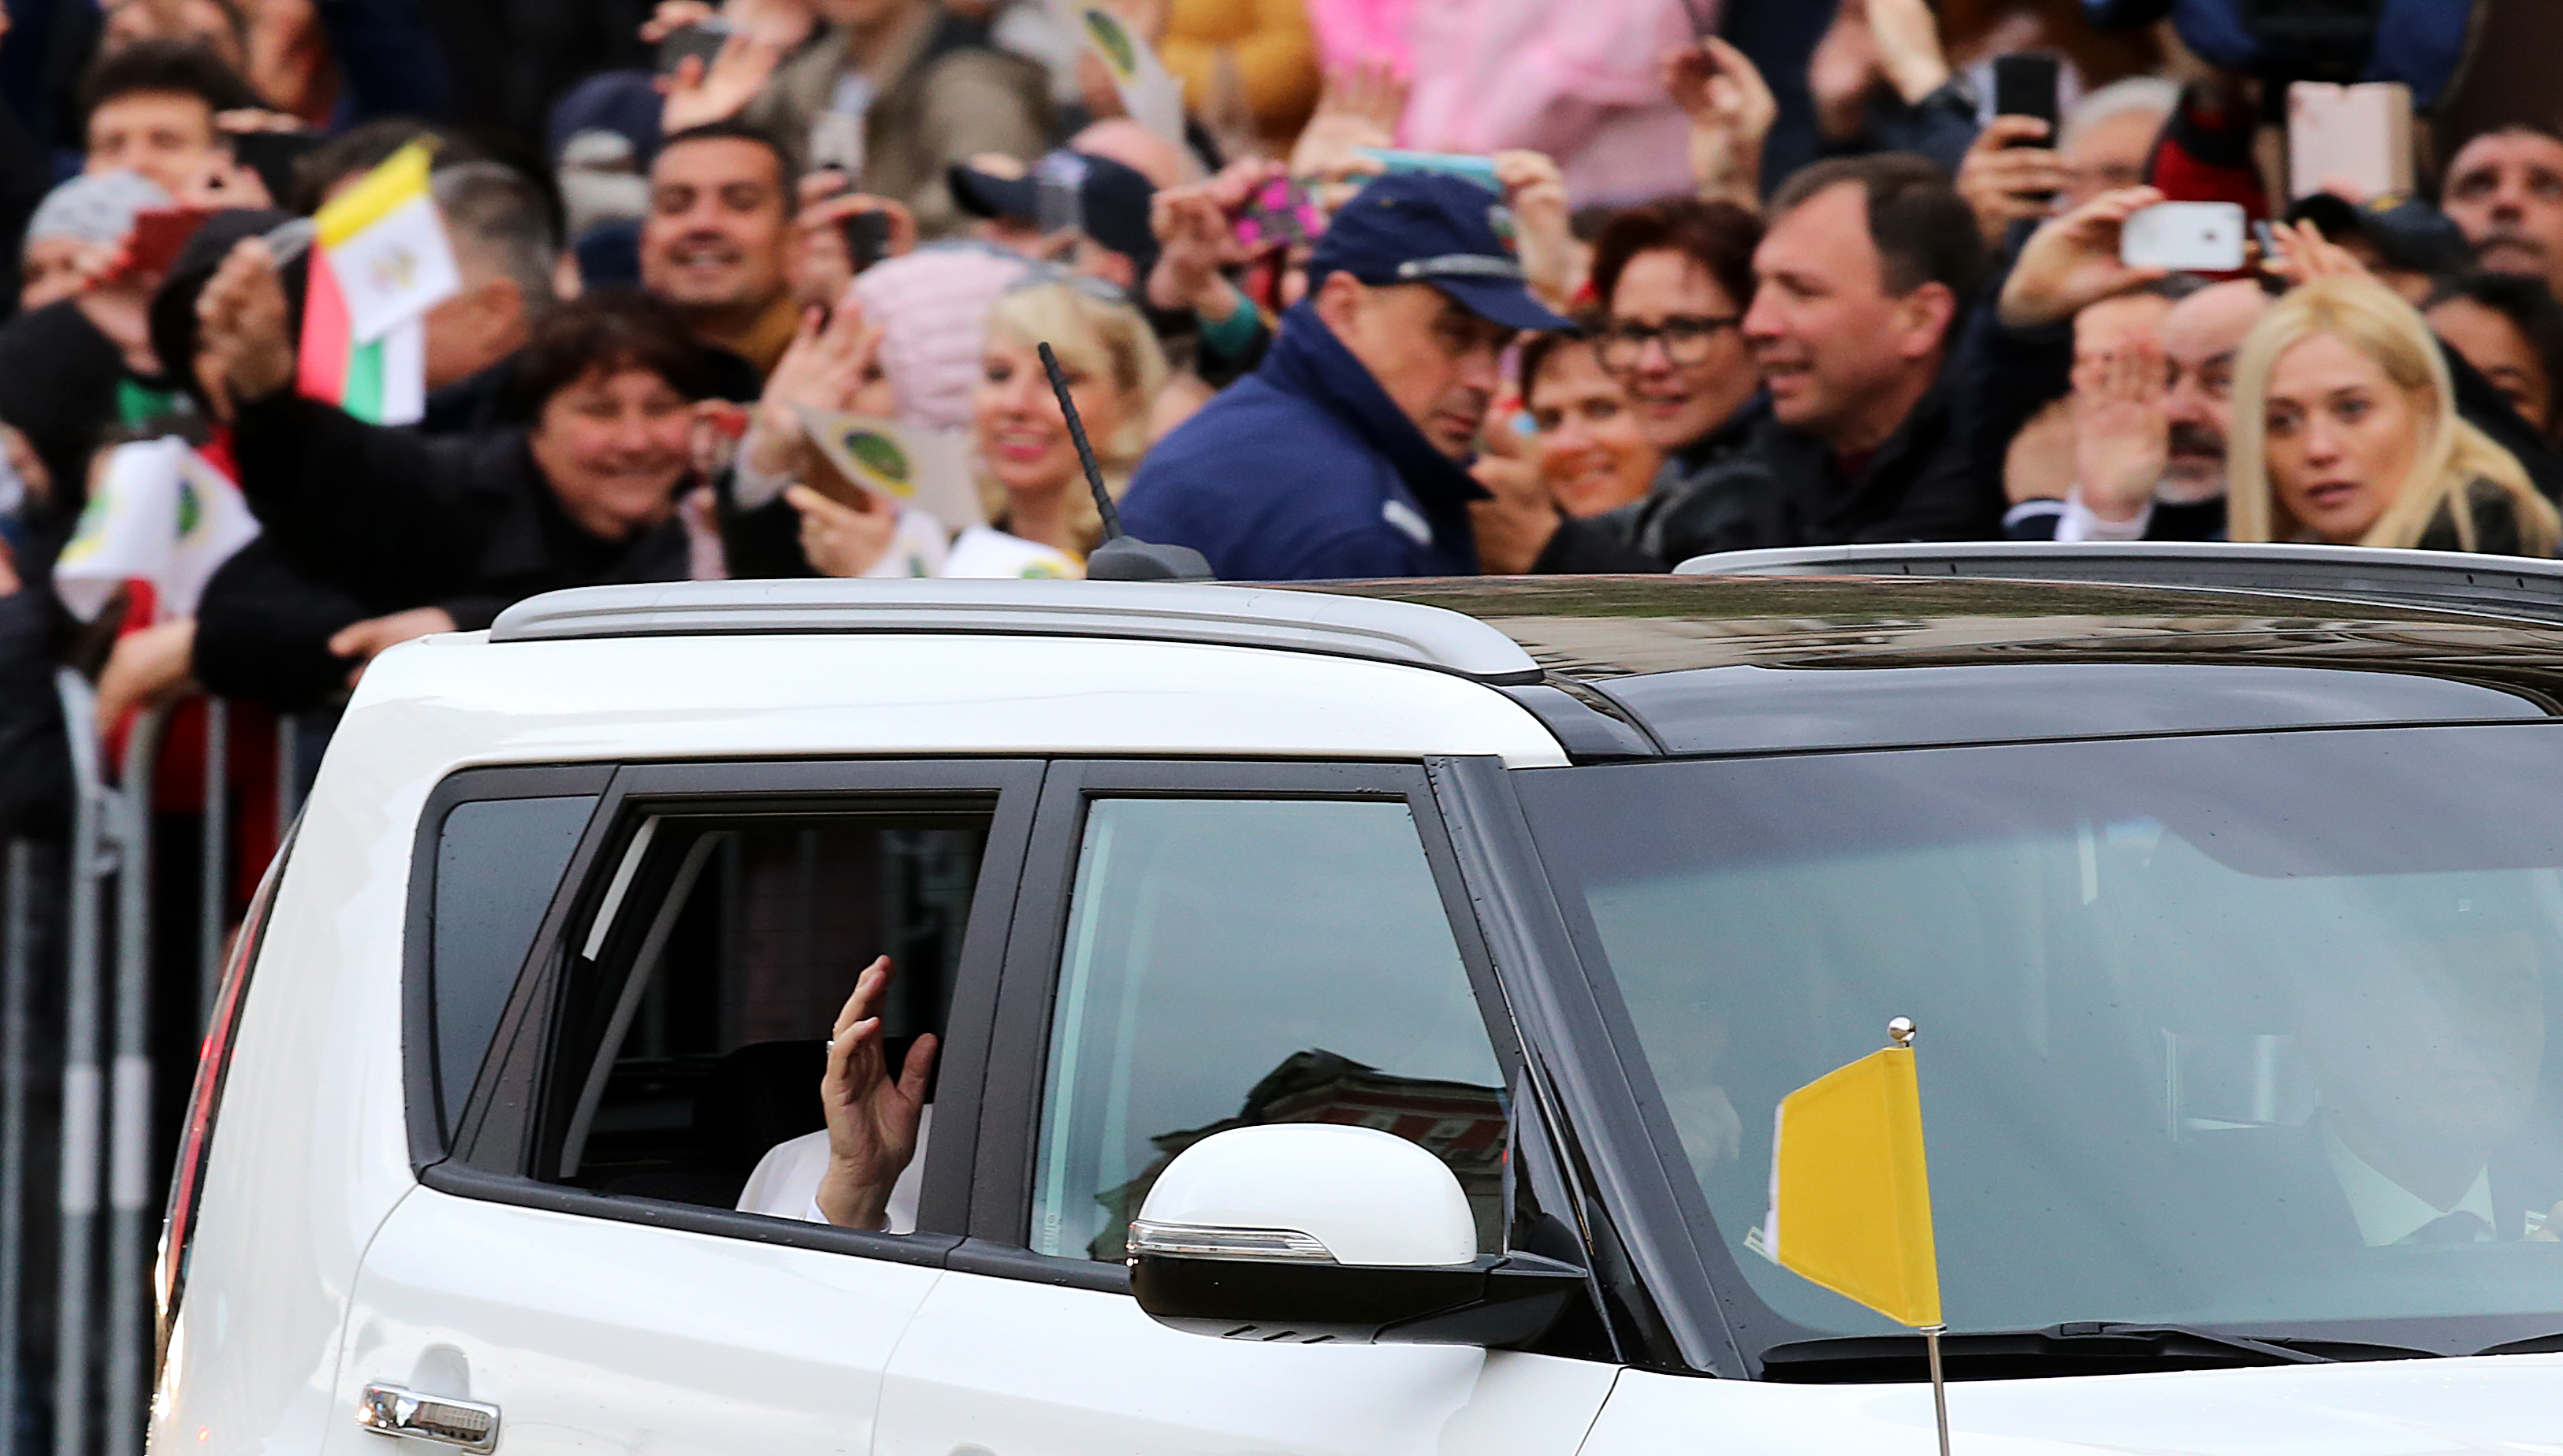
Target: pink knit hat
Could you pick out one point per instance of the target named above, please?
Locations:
(935, 304)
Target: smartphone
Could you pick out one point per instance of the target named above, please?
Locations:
(2356, 135)
(866, 238)
(1481, 170)
(273, 156)
(159, 235)
(2185, 237)
(702, 41)
(1283, 213)
(2026, 84)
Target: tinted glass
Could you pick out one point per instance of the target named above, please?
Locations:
(690, 1053)
(2242, 1030)
(498, 862)
(1234, 961)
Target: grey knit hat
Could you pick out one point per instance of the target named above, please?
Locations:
(97, 207)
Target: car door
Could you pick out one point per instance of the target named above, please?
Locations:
(1200, 947)
(573, 1261)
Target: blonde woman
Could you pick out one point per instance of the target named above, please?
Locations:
(1031, 483)
(2345, 431)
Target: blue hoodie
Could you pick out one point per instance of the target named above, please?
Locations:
(1306, 470)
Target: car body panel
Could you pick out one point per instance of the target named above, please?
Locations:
(2401, 1407)
(1016, 1368)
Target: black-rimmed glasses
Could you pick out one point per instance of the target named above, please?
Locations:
(1685, 339)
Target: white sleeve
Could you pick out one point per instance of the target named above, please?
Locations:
(785, 1183)
(2080, 524)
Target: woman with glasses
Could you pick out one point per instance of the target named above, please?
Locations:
(1674, 279)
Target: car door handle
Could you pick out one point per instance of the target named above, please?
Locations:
(393, 1411)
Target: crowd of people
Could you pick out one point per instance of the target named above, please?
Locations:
(1337, 289)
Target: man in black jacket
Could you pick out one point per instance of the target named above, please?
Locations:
(1859, 284)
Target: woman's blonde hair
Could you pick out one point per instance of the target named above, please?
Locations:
(2451, 454)
(1098, 336)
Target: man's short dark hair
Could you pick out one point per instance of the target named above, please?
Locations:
(1923, 230)
(1719, 235)
(733, 129)
(612, 329)
(172, 68)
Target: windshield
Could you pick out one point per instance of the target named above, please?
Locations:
(2248, 1030)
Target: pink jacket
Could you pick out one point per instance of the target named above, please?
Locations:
(1578, 79)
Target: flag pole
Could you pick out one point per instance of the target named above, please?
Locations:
(1900, 1031)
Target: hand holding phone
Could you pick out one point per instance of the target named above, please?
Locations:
(2185, 237)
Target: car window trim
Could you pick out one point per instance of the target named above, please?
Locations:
(1658, 1288)
(494, 1134)
(1019, 1046)
(426, 1122)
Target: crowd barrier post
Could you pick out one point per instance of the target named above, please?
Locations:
(17, 974)
(129, 1153)
(93, 859)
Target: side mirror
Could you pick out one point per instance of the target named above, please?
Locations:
(1317, 1233)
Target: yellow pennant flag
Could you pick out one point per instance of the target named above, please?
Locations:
(1851, 1195)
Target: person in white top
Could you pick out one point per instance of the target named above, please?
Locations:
(861, 1172)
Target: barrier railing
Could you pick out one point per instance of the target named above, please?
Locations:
(102, 1326)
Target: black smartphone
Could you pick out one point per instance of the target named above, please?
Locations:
(272, 156)
(2025, 85)
(866, 238)
(699, 40)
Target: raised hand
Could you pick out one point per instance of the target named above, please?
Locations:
(697, 93)
(2121, 435)
(842, 540)
(1731, 110)
(1553, 262)
(2005, 181)
(2073, 262)
(872, 1114)
(1359, 106)
(822, 369)
(243, 349)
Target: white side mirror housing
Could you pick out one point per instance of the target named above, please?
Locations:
(1318, 1191)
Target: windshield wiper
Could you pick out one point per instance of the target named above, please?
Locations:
(2532, 1344)
(2082, 1347)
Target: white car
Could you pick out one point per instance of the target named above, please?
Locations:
(1395, 985)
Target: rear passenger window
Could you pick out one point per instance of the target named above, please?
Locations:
(691, 1036)
(1231, 961)
(498, 861)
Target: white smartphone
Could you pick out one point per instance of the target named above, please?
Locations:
(2185, 237)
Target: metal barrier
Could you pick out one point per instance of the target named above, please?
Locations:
(103, 1357)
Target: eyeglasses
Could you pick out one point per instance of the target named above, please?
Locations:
(1685, 339)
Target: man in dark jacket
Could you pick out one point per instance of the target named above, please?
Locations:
(1344, 454)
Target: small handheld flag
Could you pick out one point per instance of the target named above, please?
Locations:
(379, 263)
(1851, 1194)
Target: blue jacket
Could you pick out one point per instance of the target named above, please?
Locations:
(2420, 43)
(1306, 470)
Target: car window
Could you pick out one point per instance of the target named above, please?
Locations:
(498, 862)
(698, 1004)
(1231, 961)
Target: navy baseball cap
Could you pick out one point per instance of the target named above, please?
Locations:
(1113, 199)
(1425, 228)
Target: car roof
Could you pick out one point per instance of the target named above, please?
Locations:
(1642, 667)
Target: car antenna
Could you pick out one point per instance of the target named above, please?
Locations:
(1122, 557)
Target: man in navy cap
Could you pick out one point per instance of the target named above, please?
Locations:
(1345, 454)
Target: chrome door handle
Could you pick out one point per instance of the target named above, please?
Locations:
(392, 1411)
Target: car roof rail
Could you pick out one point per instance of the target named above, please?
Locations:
(2451, 580)
(1176, 612)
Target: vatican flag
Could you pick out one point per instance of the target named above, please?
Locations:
(385, 247)
(1851, 1195)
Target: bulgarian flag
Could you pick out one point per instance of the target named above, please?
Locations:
(379, 261)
